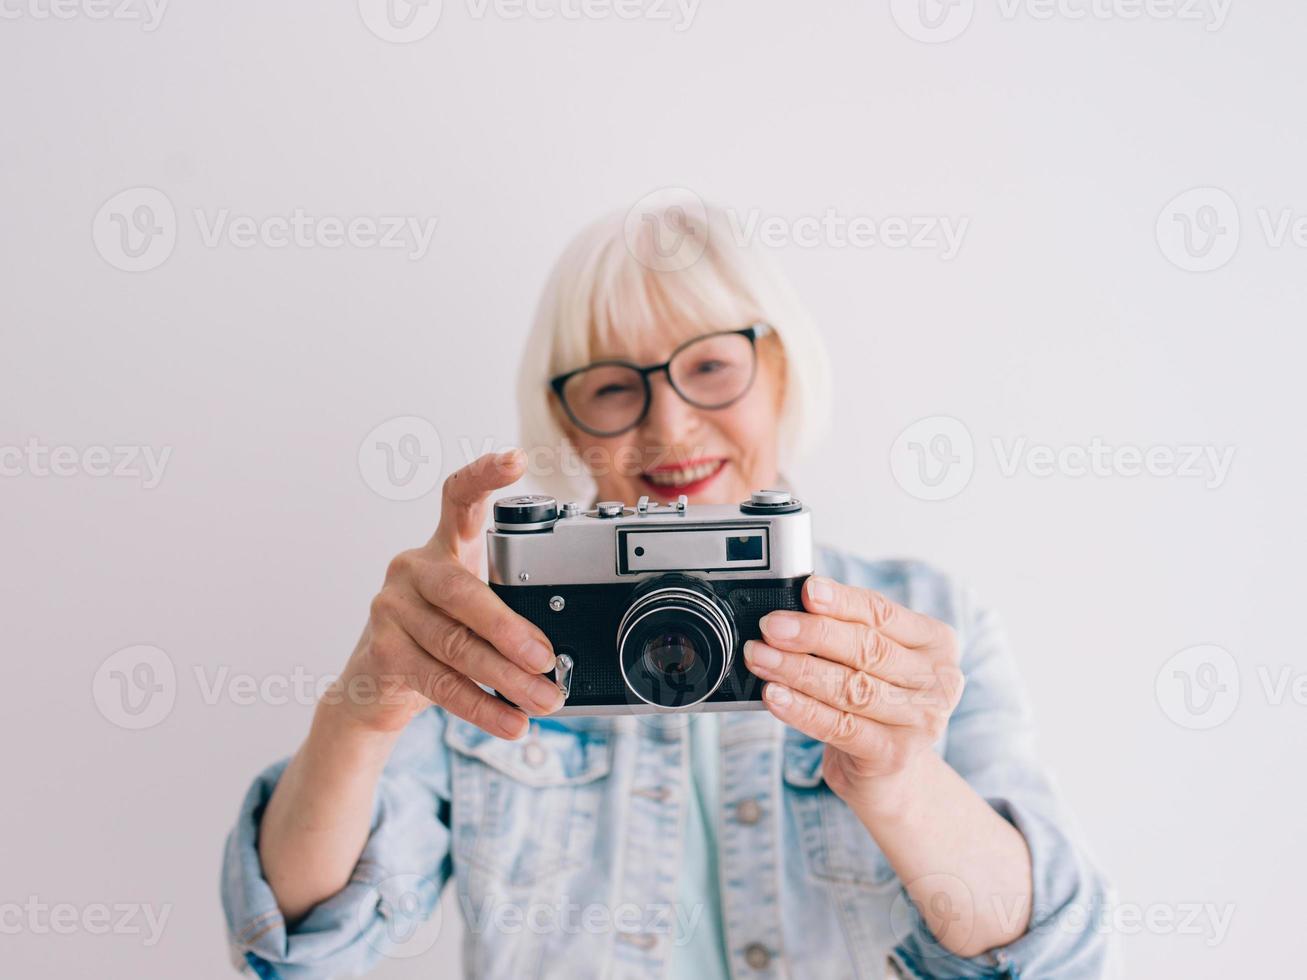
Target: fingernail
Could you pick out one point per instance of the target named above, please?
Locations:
(819, 589)
(538, 656)
(780, 625)
(777, 694)
(761, 654)
(516, 727)
(507, 457)
(546, 696)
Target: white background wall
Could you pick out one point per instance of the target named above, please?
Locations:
(1062, 318)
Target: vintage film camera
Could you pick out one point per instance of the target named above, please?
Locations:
(648, 607)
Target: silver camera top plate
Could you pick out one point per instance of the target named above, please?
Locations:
(533, 542)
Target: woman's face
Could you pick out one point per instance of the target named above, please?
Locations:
(713, 456)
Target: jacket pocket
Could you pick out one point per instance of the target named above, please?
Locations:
(527, 810)
(837, 847)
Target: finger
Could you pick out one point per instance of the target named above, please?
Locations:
(836, 685)
(860, 737)
(442, 685)
(466, 495)
(855, 605)
(852, 644)
(457, 646)
(462, 596)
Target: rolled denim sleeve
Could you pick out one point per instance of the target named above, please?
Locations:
(991, 744)
(394, 887)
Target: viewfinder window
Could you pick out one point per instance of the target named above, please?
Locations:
(744, 547)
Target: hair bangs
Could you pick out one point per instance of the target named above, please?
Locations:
(629, 301)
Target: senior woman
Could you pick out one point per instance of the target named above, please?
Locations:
(886, 814)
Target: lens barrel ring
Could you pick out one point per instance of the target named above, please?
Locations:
(676, 604)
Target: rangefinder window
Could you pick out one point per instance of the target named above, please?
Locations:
(744, 548)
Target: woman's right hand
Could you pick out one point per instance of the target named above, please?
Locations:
(435, 627)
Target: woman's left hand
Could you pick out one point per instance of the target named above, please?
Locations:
(872, 679)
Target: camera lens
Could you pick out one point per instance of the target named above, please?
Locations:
(670, 653)
(676, 641)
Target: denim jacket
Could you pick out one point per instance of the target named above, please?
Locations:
(565, 846)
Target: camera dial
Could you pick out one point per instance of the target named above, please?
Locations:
(770, 502)
(525, 512)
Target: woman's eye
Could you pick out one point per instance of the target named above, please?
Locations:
(709, 367)
(610, 390)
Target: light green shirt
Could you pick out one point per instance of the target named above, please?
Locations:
(697, 948)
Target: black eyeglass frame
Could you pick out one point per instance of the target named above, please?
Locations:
(753, 332)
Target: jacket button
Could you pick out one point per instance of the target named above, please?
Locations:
(748, 811)
(533, 754)
(757, 956)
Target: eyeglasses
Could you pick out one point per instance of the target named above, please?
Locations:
(610, 397)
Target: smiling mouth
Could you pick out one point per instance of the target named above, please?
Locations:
(685, 478)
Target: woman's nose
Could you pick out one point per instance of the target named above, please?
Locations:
(670, 417)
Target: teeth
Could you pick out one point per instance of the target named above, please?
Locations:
(689, 474)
